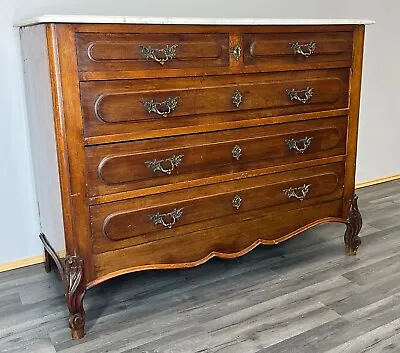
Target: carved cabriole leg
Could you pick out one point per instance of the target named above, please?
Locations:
(48, 261)
(354, 225)
(74, 294)
(51, 258)
(71, 271)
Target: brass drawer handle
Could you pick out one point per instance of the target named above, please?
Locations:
(292, 192)
(237, 202)
(309, 48)
(237, 98)
(168, 52)
(296, 94)
(236, 52)
(158, 218)
(294, 144)
(169, 104)
(236, 152)
(156, 164)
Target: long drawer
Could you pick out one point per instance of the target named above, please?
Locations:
(145, 219)
(140, 164)
(228, 240)
(113, 107)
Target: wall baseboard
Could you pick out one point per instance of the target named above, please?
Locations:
(378, 181)
(26, 262)
(39, 259)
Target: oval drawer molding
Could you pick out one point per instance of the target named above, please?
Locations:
(155, 51)
(125, 105)
(297, 49)
(129, 166)
(129, 219)
(120, 104)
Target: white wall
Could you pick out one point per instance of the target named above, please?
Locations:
(19, 222)
(378, 154)
(380, 118)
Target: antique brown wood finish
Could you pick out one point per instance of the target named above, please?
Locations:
(234, 139)
(227, 241)
(236, 35)
(255, 118)
(115, 107)
(127, 52)
(135, 165)
(207, 207)
(266, 50)
(352, 133)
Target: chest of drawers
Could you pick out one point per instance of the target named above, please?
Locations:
(161, 146)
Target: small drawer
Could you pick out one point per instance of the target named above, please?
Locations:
(144, 219)
(113, 107)
(135, 165)
(153, 51)
(295, 50)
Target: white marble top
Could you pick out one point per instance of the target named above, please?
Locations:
(185, 20)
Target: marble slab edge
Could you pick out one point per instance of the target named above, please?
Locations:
(184, 20)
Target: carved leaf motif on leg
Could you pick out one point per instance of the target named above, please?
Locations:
(354, 225)
(74, 294)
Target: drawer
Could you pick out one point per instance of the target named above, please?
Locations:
(140, 164)
(294, 50)
(227, 241)
(151, 51)
(111, 107)
(149, 218)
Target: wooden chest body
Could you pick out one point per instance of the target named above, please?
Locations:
(177, 143)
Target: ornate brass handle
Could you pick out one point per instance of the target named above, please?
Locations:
(294, 94)
(294, 144)
(156, 164)
(236, 152)
(169, 104)
(237, 201)
(292, 192)
(237, 98)
(158, 218)
(309, 48)
(169, 52)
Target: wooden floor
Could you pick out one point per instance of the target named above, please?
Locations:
(301, 296)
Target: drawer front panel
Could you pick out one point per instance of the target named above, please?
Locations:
(112, 107)
(297, 49)
(135, 165)
(136, 51)
(228, 240)
(149, 218)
